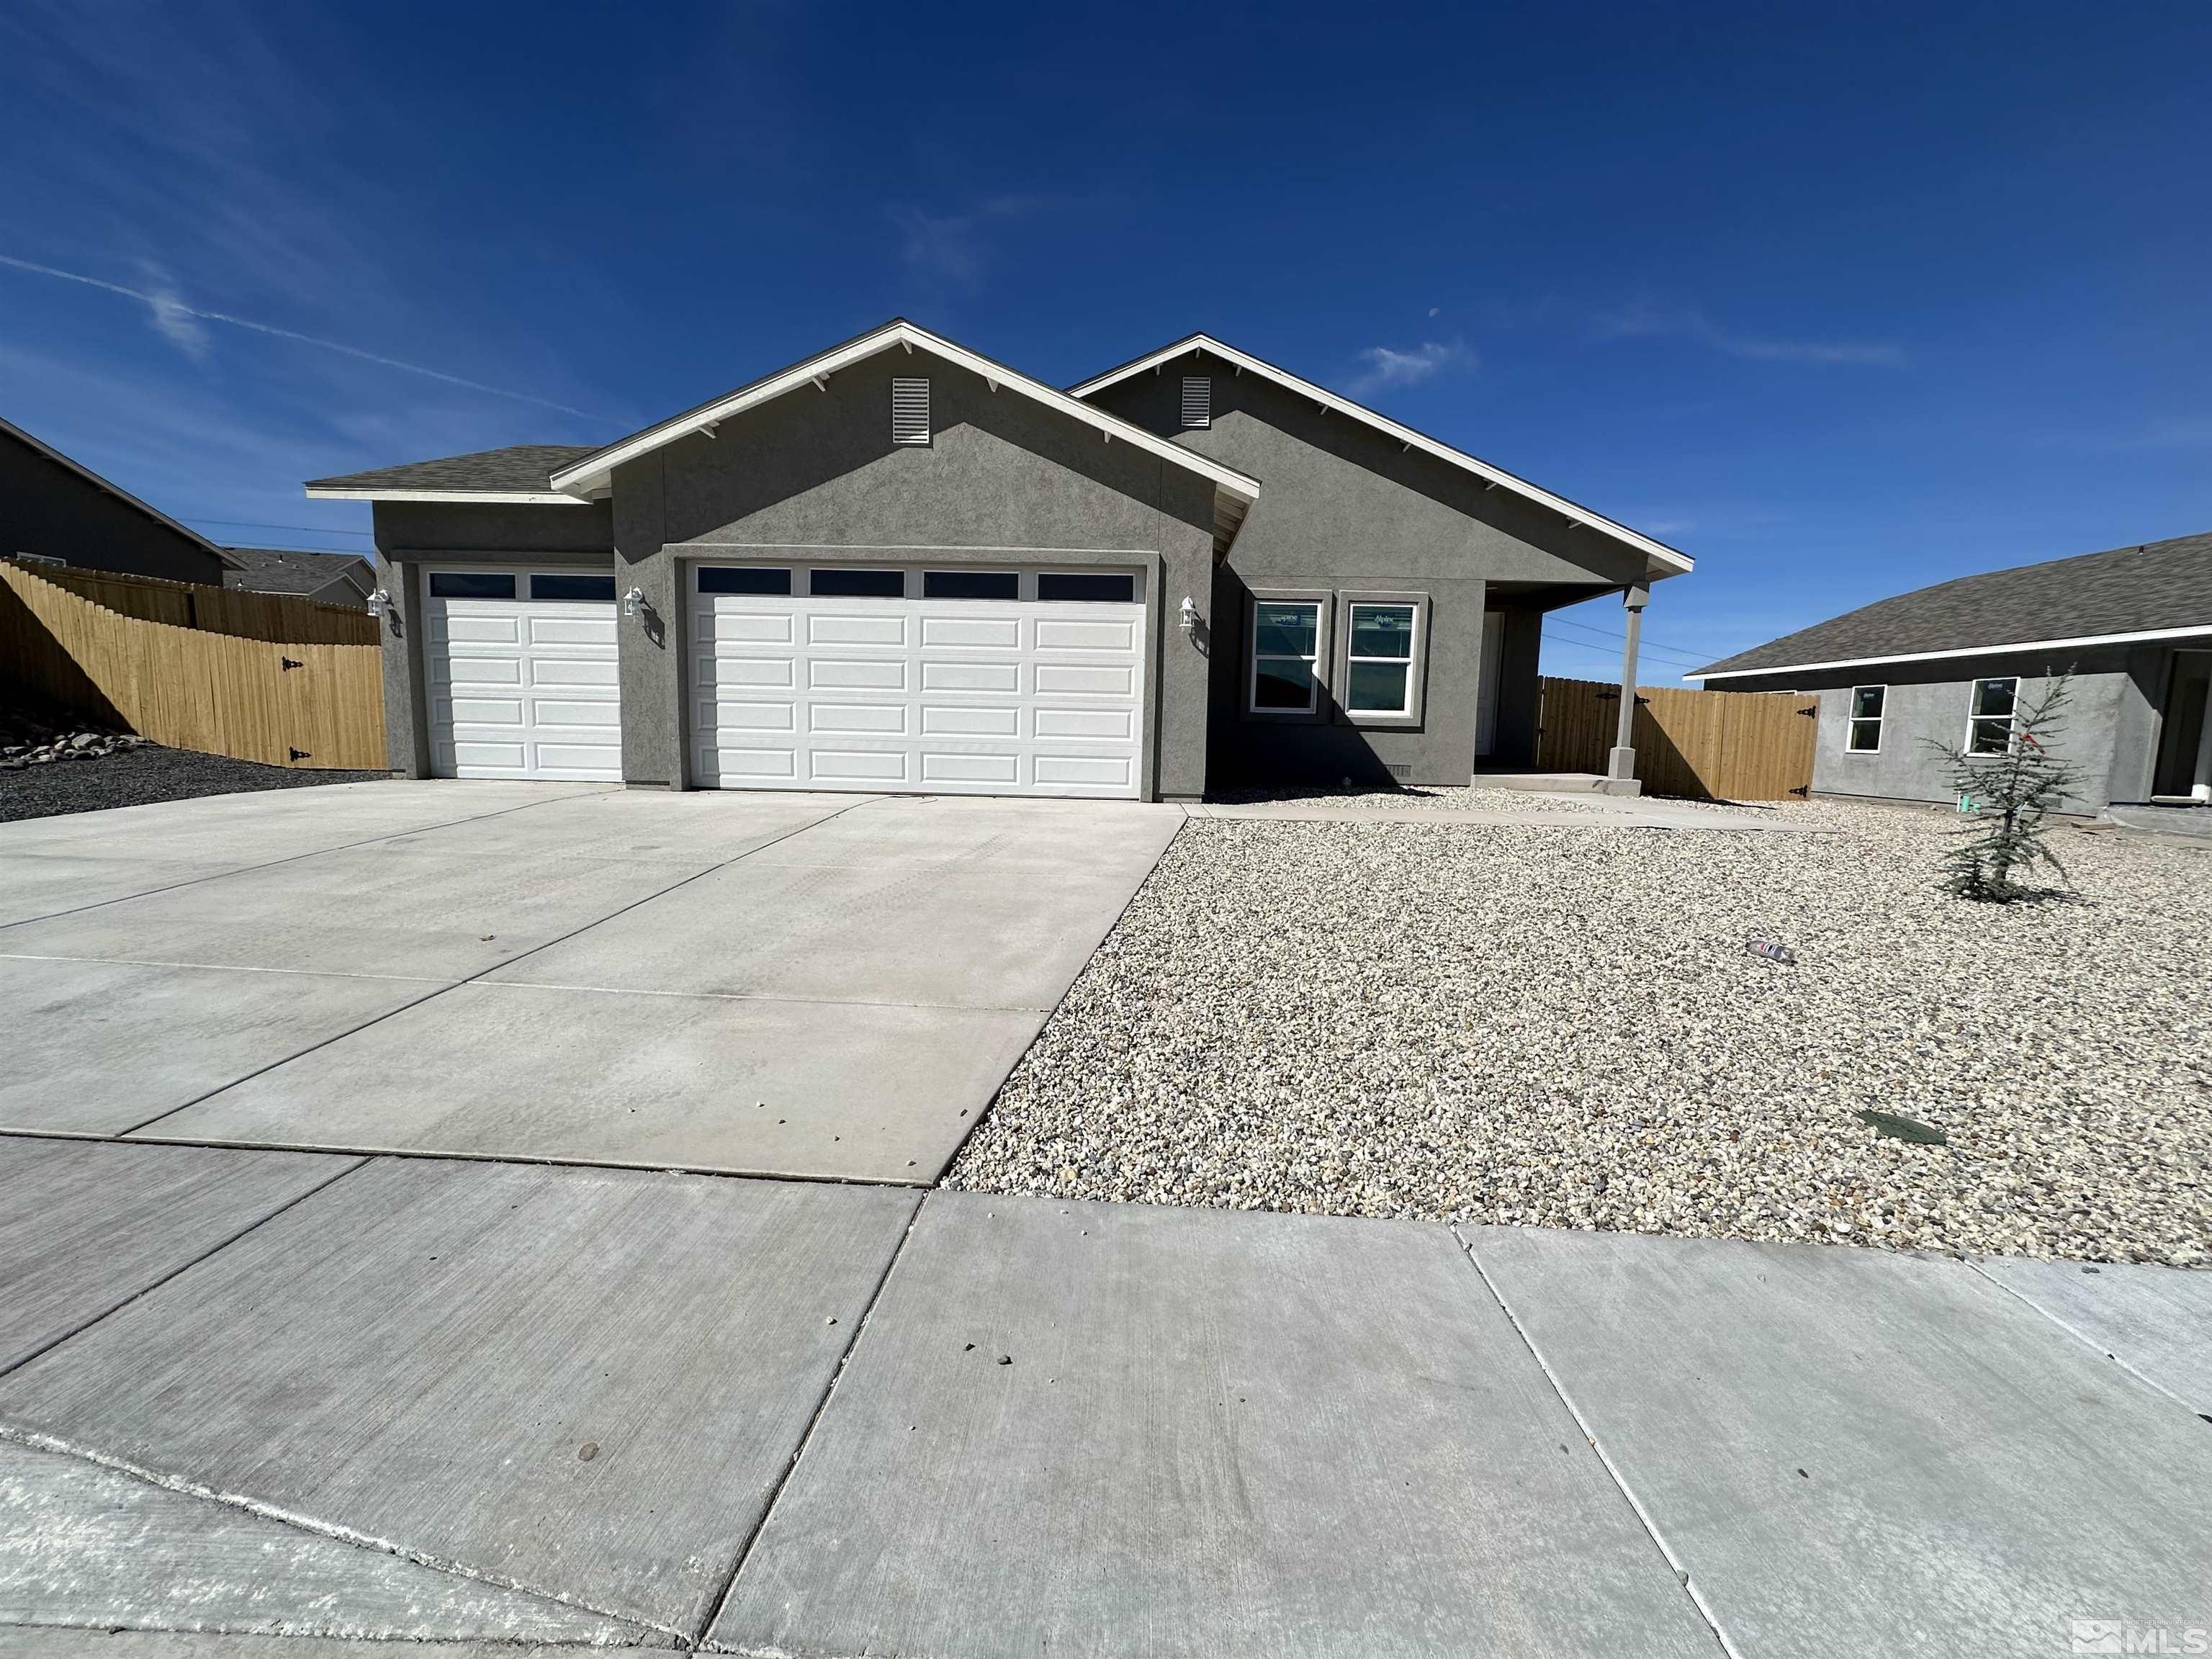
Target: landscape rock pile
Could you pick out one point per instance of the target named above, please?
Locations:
(66, 746)
(1561, 1026)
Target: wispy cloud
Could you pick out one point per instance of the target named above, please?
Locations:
(181, 323)
(1647, 319)
(1387, 367)
(951, 247)
(172, 318)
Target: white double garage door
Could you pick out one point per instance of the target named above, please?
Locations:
(1016, 681)
(948, 680)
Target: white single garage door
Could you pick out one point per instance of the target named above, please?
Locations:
(939, 680)
(523, 679)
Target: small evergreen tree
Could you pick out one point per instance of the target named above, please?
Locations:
(2005, 797)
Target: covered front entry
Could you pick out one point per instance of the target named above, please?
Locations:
(522, 672)
(941, 679)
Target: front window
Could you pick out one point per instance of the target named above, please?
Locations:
(1867, 704)
(1379, 658)
(1286, 643)
(1990, 716)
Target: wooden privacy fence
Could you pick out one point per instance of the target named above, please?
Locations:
(1706, 745)
(281, 618)
(287, 704)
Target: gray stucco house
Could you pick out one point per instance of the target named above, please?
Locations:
(1947, 665)
(58, 511)
(899, 565)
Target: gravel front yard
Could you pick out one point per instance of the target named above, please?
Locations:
(134, 777)
(1560, 1026)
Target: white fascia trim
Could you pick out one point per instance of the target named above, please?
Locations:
(507, 497)
(1664, 555)
(1963, 651)
(593, 472)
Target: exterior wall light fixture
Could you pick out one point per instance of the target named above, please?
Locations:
(379, 602)
(633, 602)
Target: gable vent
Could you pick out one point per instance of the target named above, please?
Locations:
(909, 412)
(1198, 400)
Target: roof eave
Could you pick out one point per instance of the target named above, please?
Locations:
(1665, 560)
(2193, 631)
(497, 497)
(593, 471)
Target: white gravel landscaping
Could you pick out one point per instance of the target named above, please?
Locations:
(1560, 1026)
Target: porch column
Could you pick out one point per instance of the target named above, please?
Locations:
(2201, 788)
(1620, 764)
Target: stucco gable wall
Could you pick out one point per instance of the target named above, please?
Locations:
(819, 468)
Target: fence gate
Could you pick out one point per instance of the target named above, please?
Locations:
(1701, 745)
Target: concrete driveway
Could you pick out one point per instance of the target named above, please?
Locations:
(792, 985)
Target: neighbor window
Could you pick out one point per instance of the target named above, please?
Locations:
(1990, 716)
(1379, 658)
(909, 412)
(970, 585)
(469, 585)
(1197, 400)
(545, 586)
(743, 579)
(1105, 587)
(1285, 645)
(837, 583)
(1867, 704)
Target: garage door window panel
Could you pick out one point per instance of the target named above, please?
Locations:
(470, 585)
(838, 582)
(561, 585)
(744, 578)
(1086, 587)
(970, 585)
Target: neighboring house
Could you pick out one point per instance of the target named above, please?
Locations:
(1943, 668)
(900, 566)
(326, 578)
(55, 510)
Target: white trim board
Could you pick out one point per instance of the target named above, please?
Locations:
(1672, 561)
(2197, 633)
(593, 471)
(511, 497)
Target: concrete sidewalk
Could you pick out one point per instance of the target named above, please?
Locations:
(1591, 812)
(259, 1395)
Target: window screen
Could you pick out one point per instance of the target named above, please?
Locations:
(1380, 659)
(1286, 643)
(1990, 716)
(1867, 704)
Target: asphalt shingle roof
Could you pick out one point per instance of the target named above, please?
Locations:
(517, 467)
(288, 569)
(2129, 590)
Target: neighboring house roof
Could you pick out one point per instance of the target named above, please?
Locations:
(297, 570)
(583, 477)
(10, 429)
(519, 473)
(2159, 590)
(1671, 561)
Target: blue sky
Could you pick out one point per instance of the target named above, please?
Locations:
(1841, 301)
